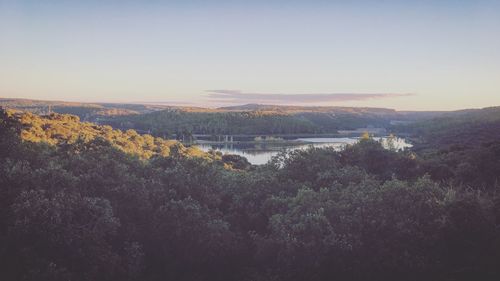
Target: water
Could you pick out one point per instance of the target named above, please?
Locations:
(261, 153)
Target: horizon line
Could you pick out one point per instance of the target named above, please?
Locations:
(197, 105)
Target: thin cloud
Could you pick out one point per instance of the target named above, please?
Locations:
(239, 97)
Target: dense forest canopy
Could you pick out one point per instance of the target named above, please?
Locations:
(257, 119)
(67, 129)
(86, 202)
(462, 146)
(460, 128)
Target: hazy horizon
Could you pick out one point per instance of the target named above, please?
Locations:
(214, 106)
(430, 55)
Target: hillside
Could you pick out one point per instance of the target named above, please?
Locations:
(316, 109)
(164, 120)
(461, 146)
(261, 119)
(86, 111)
(464, 128)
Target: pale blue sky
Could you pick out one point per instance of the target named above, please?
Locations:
(426, 55)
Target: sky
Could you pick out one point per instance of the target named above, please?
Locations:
(425, 55)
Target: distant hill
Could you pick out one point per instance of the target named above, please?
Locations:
(86, 111)
(318, 109)
(164, 120)
(263, 119)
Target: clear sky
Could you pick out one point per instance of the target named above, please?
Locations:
(426, 55)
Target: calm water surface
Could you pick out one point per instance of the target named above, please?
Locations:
(259, 154)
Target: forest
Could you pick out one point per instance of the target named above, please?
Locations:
(250, 119)
(82, 201)
(257, 119)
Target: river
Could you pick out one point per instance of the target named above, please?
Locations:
(261, 153)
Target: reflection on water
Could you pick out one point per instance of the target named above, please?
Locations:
(261, 153)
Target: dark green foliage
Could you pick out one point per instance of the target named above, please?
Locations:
(213, 123)
(182, 122)
(462, 147)
(466, 128)
(236, 161)
(110, 206)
